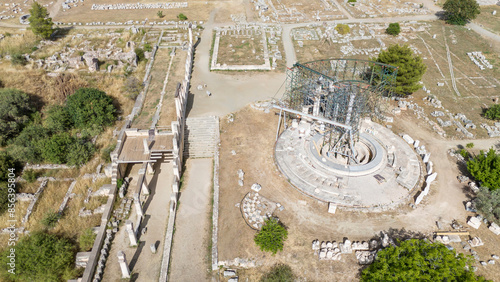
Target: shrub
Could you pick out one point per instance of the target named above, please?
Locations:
(488, 204)
(57, 147)
(182, 17)
(140, 54)
(80, 152)
(464, 154)
(7, 164)
(15, 110)
(272, 236)
(279, 273)
(485, 168)
(50, 219)
(18, 59)
(30, 175)
(419, 260)
(58, 119)
(132, 87)
(86, 240)
(493, 112)
(469, 145)
(40, 257)
(105, 155)
(147, 47)
(160, 14)
(89, 106)
(393, 29)
(28, 145)
(343, 29)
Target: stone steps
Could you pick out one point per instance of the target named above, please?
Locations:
(200, 137)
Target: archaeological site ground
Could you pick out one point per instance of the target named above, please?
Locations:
(242, 140)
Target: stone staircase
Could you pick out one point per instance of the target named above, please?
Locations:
(201, 137)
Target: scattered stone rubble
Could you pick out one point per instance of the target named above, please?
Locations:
(333, 250)
(139, 6)
(479, 60)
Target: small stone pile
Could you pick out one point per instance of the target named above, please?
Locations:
(122, 191)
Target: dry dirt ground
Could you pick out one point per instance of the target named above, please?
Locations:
(144, 265)
(192, 223)
(252, 136)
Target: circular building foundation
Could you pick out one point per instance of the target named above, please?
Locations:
(386, 173)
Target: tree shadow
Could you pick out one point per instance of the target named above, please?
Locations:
(61, 32)
(440, 15)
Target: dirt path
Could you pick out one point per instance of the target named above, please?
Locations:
(229, 92)
(189, 250)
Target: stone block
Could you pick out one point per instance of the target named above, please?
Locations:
(229, 273)
(408, 139)
(152, 247)
(332, 208)
(256, 187)
(474, 222)
(494, 228)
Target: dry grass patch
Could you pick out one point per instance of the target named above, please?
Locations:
(488, 20)
(26, 187)
(21, 207)
(20, 42)
(241, 50)
(49, 201)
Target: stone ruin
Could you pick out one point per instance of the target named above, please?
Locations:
(257, 209)
(365, 252)
(479, 60)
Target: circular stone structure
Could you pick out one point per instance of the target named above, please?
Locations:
(385, 175)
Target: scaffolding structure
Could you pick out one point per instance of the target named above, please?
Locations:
(340, 90)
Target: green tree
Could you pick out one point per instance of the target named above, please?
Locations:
(272, 236)
(80, 152)
(485, 168)
(40, 257)
(56, 148)
(279, 273)
(393, 29)
(411, 68)
(58, 119)
(459, 12)
(493, 112)
(15, 110)
(89, 106)
(7, 164)
(342, 29)
(488, 204)
(40, 22)
(182, 17)
(28, 145)
(86, 240)
(419, 260)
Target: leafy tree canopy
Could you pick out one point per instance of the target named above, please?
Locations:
(80, 152)
(272, 236)
(419, 260)
(57, 147)
(459, 12)
(40, 22)
(488, 204)
(393, 29)
(411, 68)
(182, 17)
(485, 168)
(28, 144)
(493, 112)
(58, 119)
(40, 257)
(15, 110)
(90, 106)
(6, 163)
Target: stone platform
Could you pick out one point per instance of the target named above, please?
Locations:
(386, 181)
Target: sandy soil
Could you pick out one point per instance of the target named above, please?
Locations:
(192, 223)
(144, 265)
(252, 136)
